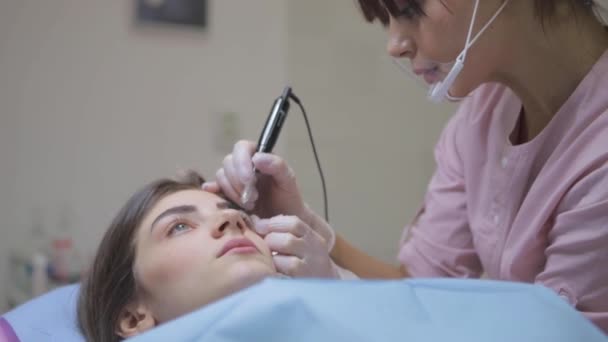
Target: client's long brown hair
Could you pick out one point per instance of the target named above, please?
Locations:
(110, 285)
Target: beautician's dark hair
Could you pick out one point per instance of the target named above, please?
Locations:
(377, 9)
(110, 285)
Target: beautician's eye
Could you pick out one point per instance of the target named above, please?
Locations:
(412, 9)
(179, 228)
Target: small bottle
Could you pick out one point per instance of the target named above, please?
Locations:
(39, 239)
(37, 255)
(62, 249)
(39, 274)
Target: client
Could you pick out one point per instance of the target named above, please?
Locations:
(171, 249)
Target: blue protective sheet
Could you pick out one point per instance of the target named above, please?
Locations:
(412, 310)
(50, 317)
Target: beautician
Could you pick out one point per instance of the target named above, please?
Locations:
(520, 190)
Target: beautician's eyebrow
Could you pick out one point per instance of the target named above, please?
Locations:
(182, 209)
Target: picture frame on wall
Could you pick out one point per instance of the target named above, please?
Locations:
(187, 13)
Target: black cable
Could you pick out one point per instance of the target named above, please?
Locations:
(314, 151)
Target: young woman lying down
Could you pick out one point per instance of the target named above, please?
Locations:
(171, 249)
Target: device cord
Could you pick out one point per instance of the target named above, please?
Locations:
(314, 151)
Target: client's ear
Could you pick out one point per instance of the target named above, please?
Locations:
(134, 319)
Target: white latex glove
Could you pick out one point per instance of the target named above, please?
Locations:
(301, 252)
(319, 225)
(277, 191)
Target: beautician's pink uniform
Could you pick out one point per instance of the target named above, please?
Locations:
(536, 212)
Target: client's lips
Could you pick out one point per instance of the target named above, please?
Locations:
(239, 245)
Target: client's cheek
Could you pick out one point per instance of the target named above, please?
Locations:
(167, 267)
(259, 242)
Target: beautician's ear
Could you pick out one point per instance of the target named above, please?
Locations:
(134, 319)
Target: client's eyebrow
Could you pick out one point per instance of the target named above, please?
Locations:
(229, 204)
(182, 209)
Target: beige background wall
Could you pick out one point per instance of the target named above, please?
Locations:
(92, 106)
(374, 129)
(95, 107)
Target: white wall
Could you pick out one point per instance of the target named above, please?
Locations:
(92, 106)
(374, 129)
(8, 157)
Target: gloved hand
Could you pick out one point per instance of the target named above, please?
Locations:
(301, 252)
(276, 191)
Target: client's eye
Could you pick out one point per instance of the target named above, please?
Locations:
(179, 228)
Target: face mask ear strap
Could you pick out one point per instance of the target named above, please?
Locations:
(486, 26)
(468, 42)
(441, 90)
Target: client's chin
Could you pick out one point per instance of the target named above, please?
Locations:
(246, 273)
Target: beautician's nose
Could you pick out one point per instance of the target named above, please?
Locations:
(399, 44)
(232, 220)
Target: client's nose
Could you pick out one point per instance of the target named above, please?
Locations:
(231, 220)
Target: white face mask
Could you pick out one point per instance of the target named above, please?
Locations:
(439, 88)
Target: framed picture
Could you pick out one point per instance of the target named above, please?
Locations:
(180, 12)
